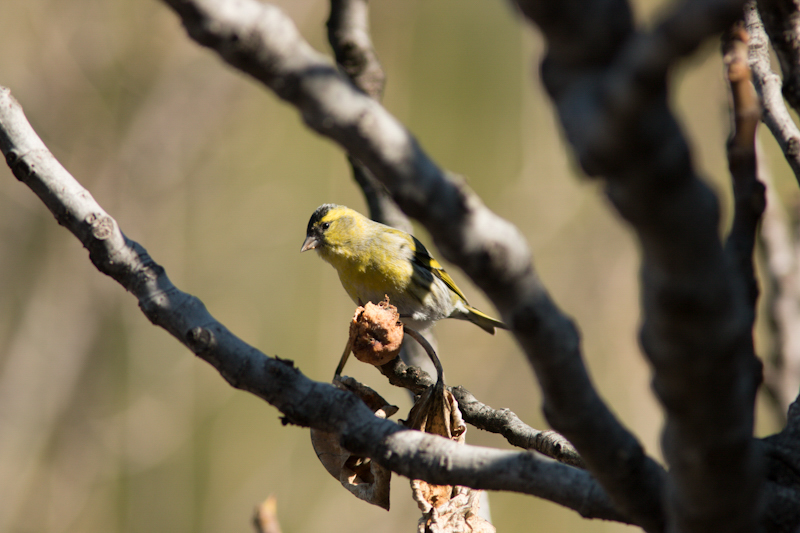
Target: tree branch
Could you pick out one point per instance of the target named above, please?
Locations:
(480, 415)
(609, 86)
(516, 432)
(302, 401)
(348, 33)
(486, 467)
(768, 85)
(782, 275)
(782, 22)
(748, 192)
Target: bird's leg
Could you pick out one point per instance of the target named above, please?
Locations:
(345, 356)
(428, 348)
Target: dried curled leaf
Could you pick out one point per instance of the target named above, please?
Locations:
(445, 508)
(436, 411)
(363, 477)
(376, 333)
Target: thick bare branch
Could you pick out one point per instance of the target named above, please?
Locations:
(613, 106)
(486, 466)
(768, 85)
(302, 401)
(261, 41)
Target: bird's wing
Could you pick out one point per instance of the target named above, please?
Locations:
(423, 259)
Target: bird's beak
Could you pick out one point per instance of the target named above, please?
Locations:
(310, 243)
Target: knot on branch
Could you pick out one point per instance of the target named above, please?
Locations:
(20, 167)
(793, 147)
(12, 156)
(200, 340)
(102, 226)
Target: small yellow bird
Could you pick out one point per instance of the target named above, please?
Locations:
(374, 261)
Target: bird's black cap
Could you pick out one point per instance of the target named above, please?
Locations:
(317, 216)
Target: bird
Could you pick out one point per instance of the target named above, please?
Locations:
(375, 261)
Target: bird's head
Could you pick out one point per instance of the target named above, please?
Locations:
(331, 228)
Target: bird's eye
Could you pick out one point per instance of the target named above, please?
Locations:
(325, 225)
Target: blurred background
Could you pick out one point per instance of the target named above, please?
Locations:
(107, 424)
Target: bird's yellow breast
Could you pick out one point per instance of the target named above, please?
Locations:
(372, 267)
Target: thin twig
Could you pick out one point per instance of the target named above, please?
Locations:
(482, 416)
(517, 433)
(768, 85)
(265, 517)
(782, 22)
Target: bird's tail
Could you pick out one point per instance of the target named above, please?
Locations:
(483, 320)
